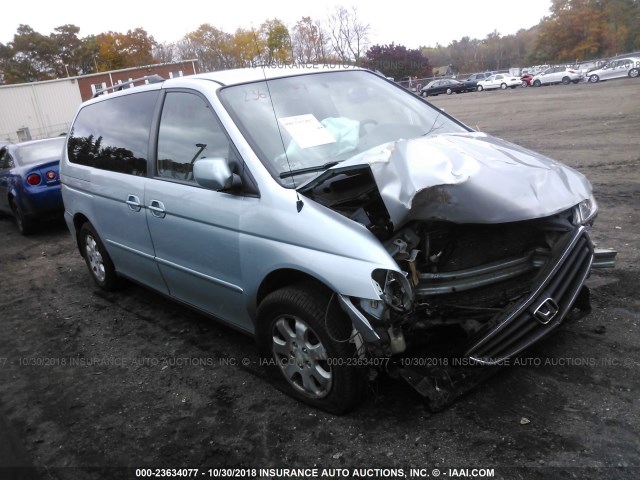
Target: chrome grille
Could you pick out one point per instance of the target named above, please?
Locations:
(544, 309)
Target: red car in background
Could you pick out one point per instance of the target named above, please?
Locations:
(526, 80)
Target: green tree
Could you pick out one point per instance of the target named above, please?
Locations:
(68, 49)
(276, 41)
(248, 48)
(623, 25)
(211, 46)
(86, 56)
(34, 56)
(438, 55)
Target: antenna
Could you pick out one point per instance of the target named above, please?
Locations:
(299, 202)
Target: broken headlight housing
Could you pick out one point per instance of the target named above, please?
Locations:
(394, 288)
(585, 212)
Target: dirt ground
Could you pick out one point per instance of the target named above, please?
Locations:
(96, 385)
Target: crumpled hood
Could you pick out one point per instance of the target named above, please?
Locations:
(466, 178)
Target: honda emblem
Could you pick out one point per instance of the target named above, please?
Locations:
(546, 311)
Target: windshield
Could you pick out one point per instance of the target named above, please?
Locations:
(302, 125)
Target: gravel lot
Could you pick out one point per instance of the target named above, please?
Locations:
(95, 385)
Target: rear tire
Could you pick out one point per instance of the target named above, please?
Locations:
(24, 224)
(449, 91)
(98, 261)
(566, 80)
(634, 72)
(503, 86)
(303, 336)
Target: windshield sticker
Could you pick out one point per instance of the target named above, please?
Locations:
(306, 130)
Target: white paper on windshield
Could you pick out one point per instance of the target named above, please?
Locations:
(306, 130)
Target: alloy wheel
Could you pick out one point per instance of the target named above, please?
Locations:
(301, 356)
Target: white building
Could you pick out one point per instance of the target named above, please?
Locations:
(37, 110)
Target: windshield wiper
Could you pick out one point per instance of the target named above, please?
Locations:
(302, 171)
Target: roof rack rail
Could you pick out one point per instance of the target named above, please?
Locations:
(155, 78)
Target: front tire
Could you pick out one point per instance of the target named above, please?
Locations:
(503, 86)
(634, 72)
(449, 91)
(566, 80)
(98, 261)
(594, 79)
(480, 88)
(537, 83)
(304, 340)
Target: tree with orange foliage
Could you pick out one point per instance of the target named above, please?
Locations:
(118, 50)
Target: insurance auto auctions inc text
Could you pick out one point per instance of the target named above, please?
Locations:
(373, 473)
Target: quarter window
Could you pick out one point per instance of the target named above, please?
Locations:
(113, 134)
(189, 131)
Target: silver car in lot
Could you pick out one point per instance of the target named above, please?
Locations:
(346, 224)
(628, 67)
(555, 75)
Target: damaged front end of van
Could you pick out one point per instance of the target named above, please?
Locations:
(492, 246)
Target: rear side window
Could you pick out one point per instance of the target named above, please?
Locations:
(114, 134)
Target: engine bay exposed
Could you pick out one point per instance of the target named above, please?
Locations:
(463, 275)
(481, 292)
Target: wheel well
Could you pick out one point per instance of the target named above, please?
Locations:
(12, 201)
(281, 278)
(78, 221)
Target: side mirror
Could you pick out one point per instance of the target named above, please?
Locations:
(215, 174)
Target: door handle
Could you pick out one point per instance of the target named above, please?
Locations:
(134, 203)
(157, 208)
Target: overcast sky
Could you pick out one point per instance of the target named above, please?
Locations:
(413, 24)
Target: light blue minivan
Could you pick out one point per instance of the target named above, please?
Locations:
(344, 222)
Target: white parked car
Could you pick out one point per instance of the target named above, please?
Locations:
(553, 75)
(500, 80)
(621, 68)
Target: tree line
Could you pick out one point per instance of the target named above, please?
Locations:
(574, 30)
(342, 38)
